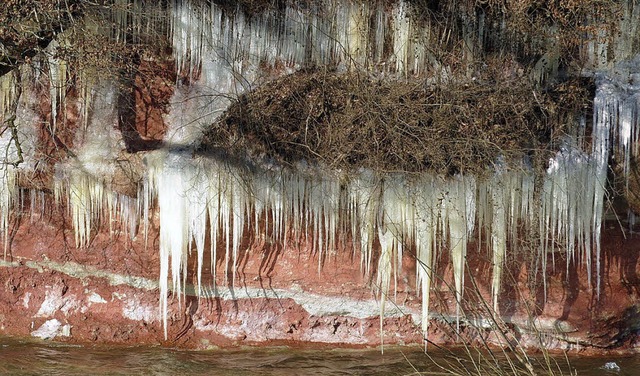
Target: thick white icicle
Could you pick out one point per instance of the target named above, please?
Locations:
(365, 196)
(169, 181)
(7, 195)
(617, 113)
(398, 217)
(213, 207)
(503, 204)
(57, 81)
(425, 223)
(385, 268)
(238, 210)
(8, 94)
(498, 236)
(459, 217)
(196, 191)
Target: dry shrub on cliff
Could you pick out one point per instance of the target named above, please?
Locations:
(528, 26)
(348, 121)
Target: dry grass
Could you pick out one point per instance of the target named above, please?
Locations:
(348, 121)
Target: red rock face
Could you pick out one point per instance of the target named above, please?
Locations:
(108, 293)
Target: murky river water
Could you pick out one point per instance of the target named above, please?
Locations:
(33, 358)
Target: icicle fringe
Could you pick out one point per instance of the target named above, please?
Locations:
(212, 199)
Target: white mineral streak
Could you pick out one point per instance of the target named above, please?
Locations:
(51, 329)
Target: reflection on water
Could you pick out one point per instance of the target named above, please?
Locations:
(33, 358)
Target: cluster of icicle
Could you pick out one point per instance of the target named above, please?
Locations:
(14, 111)
(327, 211)
(604, 47)
(212, 198)
(226, 202)
(79, 182)
(344, 34)
(82, 182)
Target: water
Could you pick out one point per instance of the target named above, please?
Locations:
(18, 357)
(28, 358)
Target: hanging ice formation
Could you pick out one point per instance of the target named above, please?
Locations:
(8, 104)
(18, 117)
(504, 205)
(321, 208)
(82, 181)
(222, 54)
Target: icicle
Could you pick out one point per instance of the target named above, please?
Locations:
(238, 210)
(213, 206)
(82, 179)
(383, 281)
(223, 53)
(17, 139)
(8, 97)
(57, 81)
(618, 100)
(81, 206)
(196, 191)
(401, 30)
(425, 223)
(604, 47)
(365, 195)
(322, 202)
(226, 201)
(459, 217)
(395, 213)
(609, 118)
(354, 37)
(572, 198)
(7, 196)
(171, 184)
(8, 94)
(498, 236)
